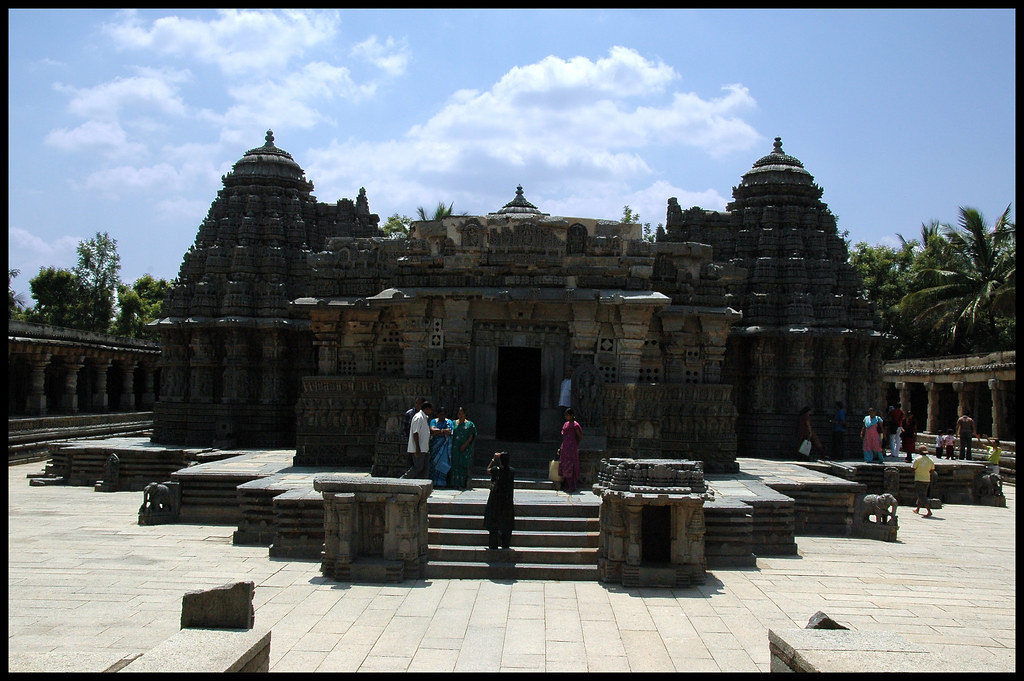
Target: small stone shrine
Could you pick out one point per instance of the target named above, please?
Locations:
(375, 529)
(652, 522)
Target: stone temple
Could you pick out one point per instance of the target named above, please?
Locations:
(298, 323)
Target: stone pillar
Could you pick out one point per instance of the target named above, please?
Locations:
(630, 350)
(148, 396)
(201, 368)
(128, 385)
(904, 389)
(70, 399)
(236, 371)
(634, 539)
(961, 398)
(99, 398)
(997, 406)
(36, 404)
(933, 406)
(271, 390)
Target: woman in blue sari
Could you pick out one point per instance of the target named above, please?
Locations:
(440, 448)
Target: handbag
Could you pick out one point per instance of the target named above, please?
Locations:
(805, 447)
(553, 475)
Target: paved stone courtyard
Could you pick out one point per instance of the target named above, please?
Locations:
(88, 586)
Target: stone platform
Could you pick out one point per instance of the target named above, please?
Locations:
(88, 587)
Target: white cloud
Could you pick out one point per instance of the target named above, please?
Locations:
(113, 181)
(565, 112)
(391, 57)
(32, 252)
(154, 89)
(293, 99)
(108, 137)
(237, 41)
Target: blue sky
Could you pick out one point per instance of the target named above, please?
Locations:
(125, 121)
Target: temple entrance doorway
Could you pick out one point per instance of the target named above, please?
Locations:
(517, 417)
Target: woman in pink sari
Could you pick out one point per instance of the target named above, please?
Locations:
(569, 452)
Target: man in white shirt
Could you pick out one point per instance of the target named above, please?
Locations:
(419, 442)
(565, 392)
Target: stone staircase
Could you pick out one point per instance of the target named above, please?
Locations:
(553, 539)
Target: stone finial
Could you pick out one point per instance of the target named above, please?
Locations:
(778, 146)
(270, 138)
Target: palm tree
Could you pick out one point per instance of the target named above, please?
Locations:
(442, 211)
(973, 283)
(929, 230)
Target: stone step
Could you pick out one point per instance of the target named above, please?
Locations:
(500, 568)
(527, 523)
(522, 508)
(571, 541)
(533, 482)
(538, 555)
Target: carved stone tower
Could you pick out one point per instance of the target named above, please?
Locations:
(233, 350)
(807, 337)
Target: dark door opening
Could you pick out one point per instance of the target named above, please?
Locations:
(656, 534)
(518, 407)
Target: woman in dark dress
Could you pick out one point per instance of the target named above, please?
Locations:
(499, 514)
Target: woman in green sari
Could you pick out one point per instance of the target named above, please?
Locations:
(462, 449)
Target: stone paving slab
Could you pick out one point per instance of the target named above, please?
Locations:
(87, 584)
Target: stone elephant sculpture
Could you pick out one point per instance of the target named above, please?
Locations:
(989, 484)
(882, 506)
(158, 497)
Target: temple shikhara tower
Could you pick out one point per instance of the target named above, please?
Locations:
(808, 337)
(295, 322)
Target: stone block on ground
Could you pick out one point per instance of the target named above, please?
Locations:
(207, 650)
(224, 607)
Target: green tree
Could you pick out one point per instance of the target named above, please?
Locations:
(16, 302)
(97, 271)
(397, 226)
(138, 305)
(967, 282)
(60, 298)
(886, 274)
(632, 218)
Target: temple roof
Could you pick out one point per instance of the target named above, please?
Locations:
(268, 161)
(778, 166)
(519, 206)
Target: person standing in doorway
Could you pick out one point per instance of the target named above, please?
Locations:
(965, 429)
(838, 431)
(565, 391)
(569, 452)
(419, 442)
(499, 513)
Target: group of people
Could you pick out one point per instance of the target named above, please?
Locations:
(439, 448)
(898, 429)
(945, 443)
